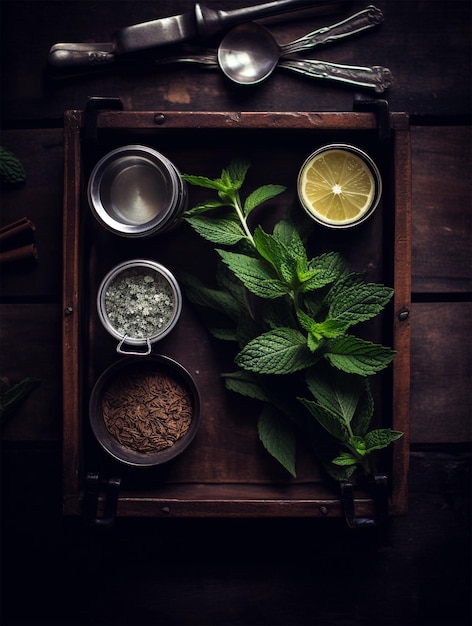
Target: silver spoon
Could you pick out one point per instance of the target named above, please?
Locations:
(270, 54)
(248, 54)
(375, 77)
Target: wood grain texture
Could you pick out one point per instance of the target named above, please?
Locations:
(30, 340)
(435, 86)
(270, 572)
(441, 372)
(441, 215)
(40, 199)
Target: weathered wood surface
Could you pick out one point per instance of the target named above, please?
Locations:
(269, 572)
(232, 571)
(422, 43)
(441, 216)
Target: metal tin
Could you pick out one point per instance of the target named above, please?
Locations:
(139, 302)
(135, 191)
(374, 171)
(122, 371)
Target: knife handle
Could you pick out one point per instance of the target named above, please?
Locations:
(211, 21)
(80, 56)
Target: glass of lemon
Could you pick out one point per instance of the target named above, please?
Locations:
(339, 185)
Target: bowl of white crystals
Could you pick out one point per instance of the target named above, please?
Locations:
(139, 302)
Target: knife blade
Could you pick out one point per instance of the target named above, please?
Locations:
(199, 23)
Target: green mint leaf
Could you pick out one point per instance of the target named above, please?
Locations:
(216, 299)
(223, 334)
(359, 303)
(345, 459)
(328, 329)
(336, 391)
(247, 329)
(340, 473)
(256, 276)
(286, 233)
(11, 169)
(345, 281)
(298, 227)
(359, 445)
(204, 207)
(218, 324)
(223, 231)
(325, 268)
(306, 322)
(380, 438)
(268, 247)
(11, 397)
(357, 356)
(278, 351)
(260, 195)
(288, 273)
(245, 384)
(280, 313)
(319, 330)
(328, 419)
(313, 342)
(362, 418)
(235, 174)
(288, 263)
(278, 438)
(203, 181)
(227, 281)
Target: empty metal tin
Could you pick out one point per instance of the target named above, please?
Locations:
(135, 191)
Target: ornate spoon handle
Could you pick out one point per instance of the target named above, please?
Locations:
(206, 57)
(363, 20)
(377, 77)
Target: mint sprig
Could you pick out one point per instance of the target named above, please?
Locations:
(296, 353)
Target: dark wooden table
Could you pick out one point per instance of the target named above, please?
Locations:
(416, 571)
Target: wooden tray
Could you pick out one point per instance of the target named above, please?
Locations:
(225, 472)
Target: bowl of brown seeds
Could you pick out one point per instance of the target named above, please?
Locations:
(145, 411)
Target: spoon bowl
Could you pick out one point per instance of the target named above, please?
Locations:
(248, 54)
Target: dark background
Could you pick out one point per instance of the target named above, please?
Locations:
(416, 571)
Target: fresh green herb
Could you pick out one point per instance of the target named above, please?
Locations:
(12, 395)
(295, 354)
(11, 169)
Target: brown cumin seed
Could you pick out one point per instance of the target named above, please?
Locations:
(148, 410)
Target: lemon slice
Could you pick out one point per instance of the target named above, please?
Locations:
(339, 186)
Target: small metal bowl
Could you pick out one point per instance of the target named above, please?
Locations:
(135, 191)
(139, 302)
(145, 412)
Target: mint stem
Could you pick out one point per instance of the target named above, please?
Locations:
(239, 211)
